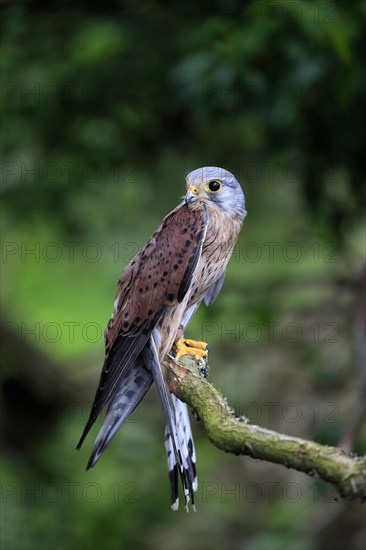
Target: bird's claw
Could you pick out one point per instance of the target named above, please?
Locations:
(190, 347)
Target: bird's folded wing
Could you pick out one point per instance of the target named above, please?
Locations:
(157, 278)
(131, 390)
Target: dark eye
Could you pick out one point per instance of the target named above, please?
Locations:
(214, 186)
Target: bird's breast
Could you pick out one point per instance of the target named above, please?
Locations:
(221, 236)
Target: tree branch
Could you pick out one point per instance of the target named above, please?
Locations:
(235, 435)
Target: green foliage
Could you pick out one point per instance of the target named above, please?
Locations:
(106, 107)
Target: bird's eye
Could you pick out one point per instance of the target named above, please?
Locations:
(214, 186)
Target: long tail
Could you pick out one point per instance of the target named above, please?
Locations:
(130, 392)
(186, 449)
(175, 438)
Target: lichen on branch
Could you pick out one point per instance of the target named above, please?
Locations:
(235, 435)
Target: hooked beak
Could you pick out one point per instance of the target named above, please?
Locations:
(191, 195)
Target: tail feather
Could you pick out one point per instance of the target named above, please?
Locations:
(186, 449)
(179, 462)
(185, 438)
(173, 469)
(178, 436)
(130, 392)
(177, 451)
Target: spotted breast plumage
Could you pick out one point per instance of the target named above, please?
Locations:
(181, 265)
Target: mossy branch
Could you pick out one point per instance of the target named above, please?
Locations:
(234, 435)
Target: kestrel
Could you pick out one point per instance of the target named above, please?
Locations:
(181, 265)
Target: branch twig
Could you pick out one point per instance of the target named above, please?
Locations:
(234, 435)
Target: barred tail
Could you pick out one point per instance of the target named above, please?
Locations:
(183, 465)
(187, 453)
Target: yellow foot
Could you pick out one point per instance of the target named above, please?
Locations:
(190, 347)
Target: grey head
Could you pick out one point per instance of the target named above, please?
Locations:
(218, 187)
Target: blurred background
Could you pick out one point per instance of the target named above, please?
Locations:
(106, 107)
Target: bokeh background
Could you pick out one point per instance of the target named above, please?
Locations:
(106, 107)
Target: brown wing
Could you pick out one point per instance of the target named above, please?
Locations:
(160, 274)
(158, 277)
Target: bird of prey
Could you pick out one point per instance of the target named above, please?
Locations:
(181, 265)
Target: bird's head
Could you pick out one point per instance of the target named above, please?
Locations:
(215, 187)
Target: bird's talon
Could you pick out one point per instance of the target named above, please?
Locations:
(192, 348)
